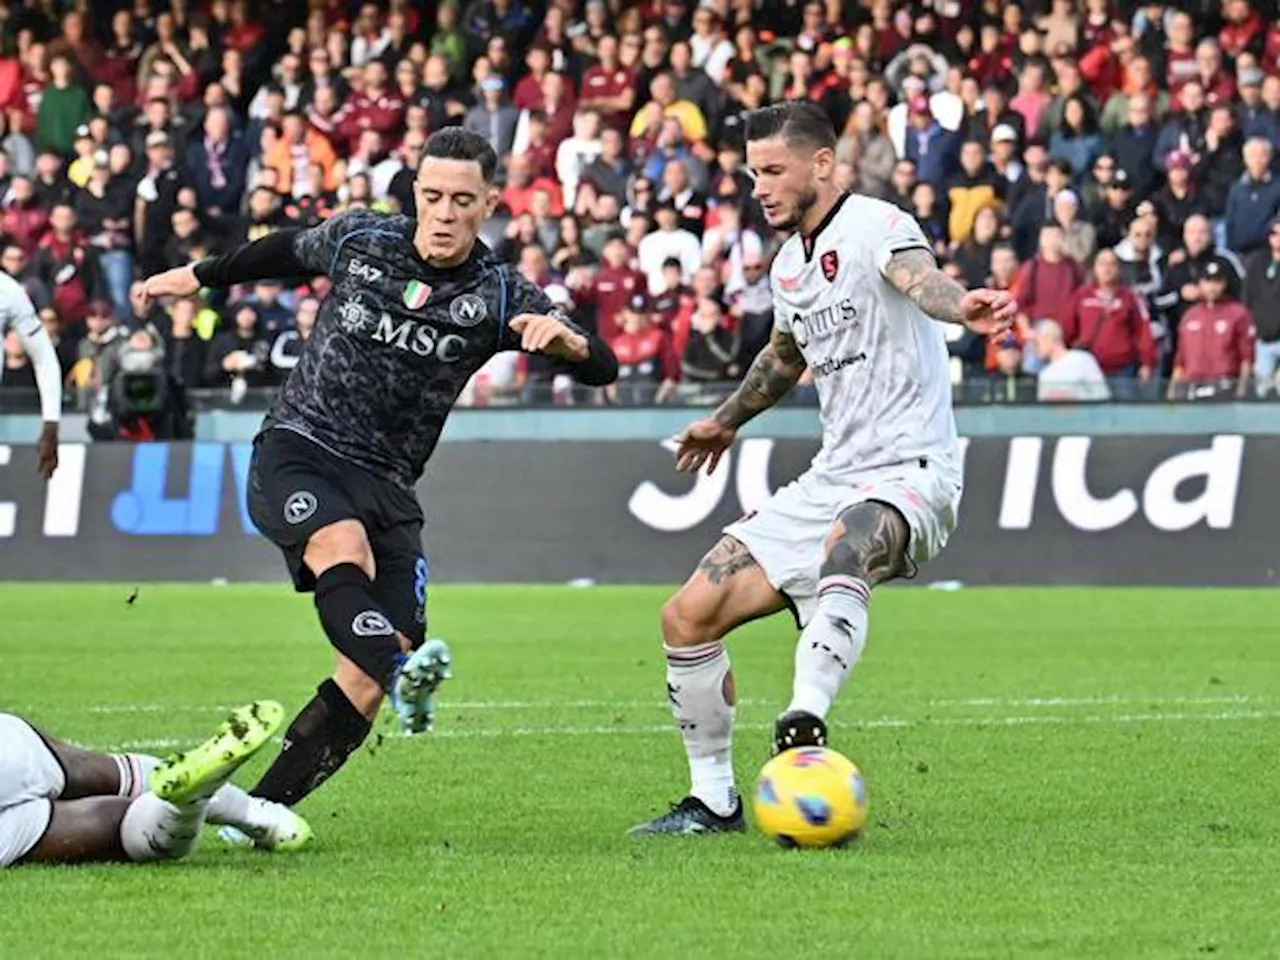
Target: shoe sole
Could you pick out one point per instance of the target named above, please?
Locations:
(421, 681)
(197, 774)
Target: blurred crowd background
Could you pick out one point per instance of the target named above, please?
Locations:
(1111, 163)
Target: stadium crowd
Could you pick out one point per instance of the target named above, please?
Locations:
(1111, 163)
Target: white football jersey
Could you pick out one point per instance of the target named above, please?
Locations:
(878, 361)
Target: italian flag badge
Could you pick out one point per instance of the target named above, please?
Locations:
(416, 294)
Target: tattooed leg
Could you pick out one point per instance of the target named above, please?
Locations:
(867, 545)
(728, 588)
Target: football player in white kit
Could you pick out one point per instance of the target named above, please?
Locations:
(18, 316)
(857, 300)
(62, 804)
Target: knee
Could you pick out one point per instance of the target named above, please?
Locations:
(341, 542)
(687, 623)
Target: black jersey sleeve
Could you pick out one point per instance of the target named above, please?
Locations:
(601, 366)
(286, 253)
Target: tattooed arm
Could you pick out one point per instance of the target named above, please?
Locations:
(771, 375)
(774, 371)
(915, 274)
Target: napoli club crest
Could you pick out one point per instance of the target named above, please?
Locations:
(830, 265)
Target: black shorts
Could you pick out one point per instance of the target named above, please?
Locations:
(296, 487)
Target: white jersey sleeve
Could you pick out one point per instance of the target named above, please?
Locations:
(897, 232)
(17, 312)
(879, 363)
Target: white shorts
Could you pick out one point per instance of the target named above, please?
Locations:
(787, 536)
(31, 778)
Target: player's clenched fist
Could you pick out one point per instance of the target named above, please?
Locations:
(703, 441)
(549, 335)
(988, 311)
(178, 282)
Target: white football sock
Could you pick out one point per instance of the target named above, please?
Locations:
(830, 646)
(135, 772)
(154, 829)
(700, 688)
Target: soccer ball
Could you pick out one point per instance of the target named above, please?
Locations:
(810, 797)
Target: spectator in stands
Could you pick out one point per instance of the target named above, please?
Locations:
(66, 265)
(1068, 374)
(157, 197)
(1177, 201)
(1047, 281)
(903, 185)
(1214, 358)
(15, 262)
(1076, 139)
(610, 171)
(1141, 260)
(576, 153)
(1184, 131)
(493, 117)
(668, 241)
(1221, 164)
(1188, 264)
(711, 354)
(1133, 145)
(1036, 207)
(64, 105)
(286, 350)
(973, 256)
(63, 345)
(608, 87)
(1262, 298)
(974, 186)
(184, 350)
(102, 334)
(1079, 238)
(17, 372)
(1253, 200)
(1255, 119)
(238, 357)
(24, 220)
(639, 346)
(1110, 321)
(218, 160)
(929, 145)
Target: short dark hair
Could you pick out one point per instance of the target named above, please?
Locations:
(458, 143)
(797, 122)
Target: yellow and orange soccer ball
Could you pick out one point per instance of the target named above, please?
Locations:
(810, 797)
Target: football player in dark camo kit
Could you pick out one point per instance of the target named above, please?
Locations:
(416, 307)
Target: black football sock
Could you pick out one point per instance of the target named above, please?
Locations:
(355, 623)
(316, 745)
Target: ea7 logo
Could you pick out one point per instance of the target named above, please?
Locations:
(366, 272)
(371, 624)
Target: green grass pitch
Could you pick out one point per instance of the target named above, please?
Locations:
(1053, 773)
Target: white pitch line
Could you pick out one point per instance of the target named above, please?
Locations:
(878, 723)
(128, 709)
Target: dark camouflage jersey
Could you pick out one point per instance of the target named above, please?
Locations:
(395, 341)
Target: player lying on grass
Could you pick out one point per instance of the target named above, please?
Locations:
(856, 292)
(416, 308)
(62, 804)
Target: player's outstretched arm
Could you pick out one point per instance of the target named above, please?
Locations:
(915, 273)
(272, 257)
